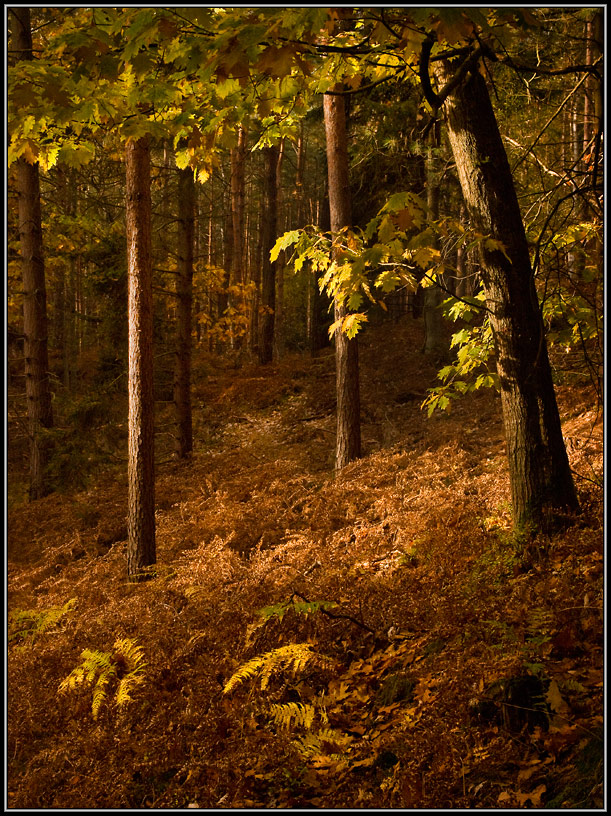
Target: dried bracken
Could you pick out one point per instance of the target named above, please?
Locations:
(402, 573)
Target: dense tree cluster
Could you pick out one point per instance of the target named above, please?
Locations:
(244, 179)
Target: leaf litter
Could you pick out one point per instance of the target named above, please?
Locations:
(421, 601)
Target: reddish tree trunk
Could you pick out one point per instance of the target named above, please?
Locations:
(38, 393)
(184, 292)
(141, 458)
(268, 268)
(348, 440)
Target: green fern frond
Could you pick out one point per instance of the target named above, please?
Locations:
(300, 715)
(28, 623)
(293, 656)
(95, 662)
(299, 607)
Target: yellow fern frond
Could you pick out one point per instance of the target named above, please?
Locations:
(293, 655)
(327, 742)
(99, 668)
(132, 653)
(124, 690)
(75, 677)
(99, 694)
(301, 715)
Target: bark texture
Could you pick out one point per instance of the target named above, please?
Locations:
(184, 292)
(541, 479)
(141, 459)
(348, 440)
(35, 326)
(268, 269)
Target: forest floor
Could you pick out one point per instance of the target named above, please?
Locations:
(413, 652)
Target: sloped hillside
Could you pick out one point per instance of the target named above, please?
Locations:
(379, 639)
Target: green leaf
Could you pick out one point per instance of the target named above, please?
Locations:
(352, 323)
(386, 230)
(284, 242)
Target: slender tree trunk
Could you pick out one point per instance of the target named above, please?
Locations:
(257, 264)
(281, 226)
(541, 480)
(236, 275)
(228, 245)
(35, 329)
(141, 459)
(268, 269)
(184, 291)
(348, 440)
(238, 170)
(197, 250)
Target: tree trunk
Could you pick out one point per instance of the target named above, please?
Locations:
(268, 269)
(281, 226)
(348, 440)
(540, 475)
(184, 291)
(236, 273)
(238, 167)
(228, 246)
(320, 304)
(141, 459)
(38, 393)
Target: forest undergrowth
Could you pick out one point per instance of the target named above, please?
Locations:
(389, 642)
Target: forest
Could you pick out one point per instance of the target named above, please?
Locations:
(304, 381)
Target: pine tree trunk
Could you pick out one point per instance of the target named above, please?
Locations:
(141, 459)
(236, 276)
(348, 440)
(35, 329)
(541, 480)
(238, 168)
(281, 226)
(268, 269)
(184, 292)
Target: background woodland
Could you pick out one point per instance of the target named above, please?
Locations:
(305, 392)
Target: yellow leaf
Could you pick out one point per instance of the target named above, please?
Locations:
(30, 152)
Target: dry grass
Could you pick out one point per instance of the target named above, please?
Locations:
(412, 542)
